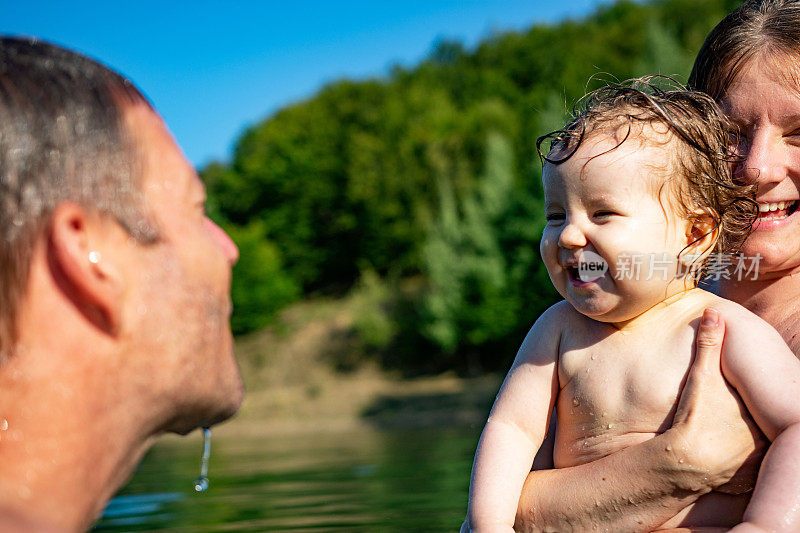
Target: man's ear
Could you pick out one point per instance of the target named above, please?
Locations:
(80, 254)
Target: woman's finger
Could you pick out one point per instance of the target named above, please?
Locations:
(710, 334)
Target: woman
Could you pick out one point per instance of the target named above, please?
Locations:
(750, 63)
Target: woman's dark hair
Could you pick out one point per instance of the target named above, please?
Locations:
(766, 28)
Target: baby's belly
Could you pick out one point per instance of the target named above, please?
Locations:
(712, 510)
(573, 450)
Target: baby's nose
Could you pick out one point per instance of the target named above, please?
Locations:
(572, 237)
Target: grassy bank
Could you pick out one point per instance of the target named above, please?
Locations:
(295, 381)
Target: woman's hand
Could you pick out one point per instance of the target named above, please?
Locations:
(715, 433)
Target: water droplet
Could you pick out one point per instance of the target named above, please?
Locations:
(575, 402)
(593, 357)
(201, 483)
(609, 426)
(668, 448)
(680, 461)
(3, 424)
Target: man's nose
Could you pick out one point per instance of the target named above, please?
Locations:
(572, 237)
(764, 160)
(227, 245)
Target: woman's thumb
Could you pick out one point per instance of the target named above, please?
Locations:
(709, 340)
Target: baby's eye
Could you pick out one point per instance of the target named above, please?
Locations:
(605, 213)
(555, 217)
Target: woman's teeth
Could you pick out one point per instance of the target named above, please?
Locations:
(776, 210)
(773, 206)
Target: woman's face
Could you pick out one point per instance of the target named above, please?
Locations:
(766, 106)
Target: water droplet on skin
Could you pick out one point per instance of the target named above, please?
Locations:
(3, 424)
(609, 426)
(575, 402)
(201, 483)
(24, 492)
(680, 461)
(668, 448)
(594, 356)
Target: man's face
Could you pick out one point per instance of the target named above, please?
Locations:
(180, 299)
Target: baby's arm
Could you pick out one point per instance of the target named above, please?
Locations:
(766, 374)
(516, 426)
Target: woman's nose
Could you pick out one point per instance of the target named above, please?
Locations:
(764, 159)
(572, 237)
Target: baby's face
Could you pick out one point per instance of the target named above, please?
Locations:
(612, 205)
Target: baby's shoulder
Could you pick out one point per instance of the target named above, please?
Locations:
(745, 332)
(562, 317)
(732, 313)
(544, 337)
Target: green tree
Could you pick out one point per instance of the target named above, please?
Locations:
(471, 299)
(260, 287)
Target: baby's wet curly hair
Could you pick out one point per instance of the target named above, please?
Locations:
(702, 163)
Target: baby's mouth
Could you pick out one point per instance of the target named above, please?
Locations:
(572, 273)
(776, 210)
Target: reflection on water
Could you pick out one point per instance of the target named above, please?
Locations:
(367, 480)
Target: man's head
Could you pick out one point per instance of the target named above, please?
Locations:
(96, 197)
(62, 138)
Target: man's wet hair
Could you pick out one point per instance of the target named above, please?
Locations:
(62, 138)
(700, 171)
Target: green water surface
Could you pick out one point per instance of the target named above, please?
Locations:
(366, 480)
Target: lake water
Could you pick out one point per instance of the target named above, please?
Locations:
(364, 480)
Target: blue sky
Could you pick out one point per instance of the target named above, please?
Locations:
(213, 67)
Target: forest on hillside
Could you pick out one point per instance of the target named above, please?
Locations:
(420, 189)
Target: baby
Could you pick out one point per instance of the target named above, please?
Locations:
(640, 203)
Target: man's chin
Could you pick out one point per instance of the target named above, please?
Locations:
(209, 415)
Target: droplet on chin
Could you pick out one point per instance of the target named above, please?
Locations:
(201, 483)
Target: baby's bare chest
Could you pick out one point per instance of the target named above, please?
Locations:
(618, 390)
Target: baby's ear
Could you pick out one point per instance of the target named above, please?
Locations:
(702, 233)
